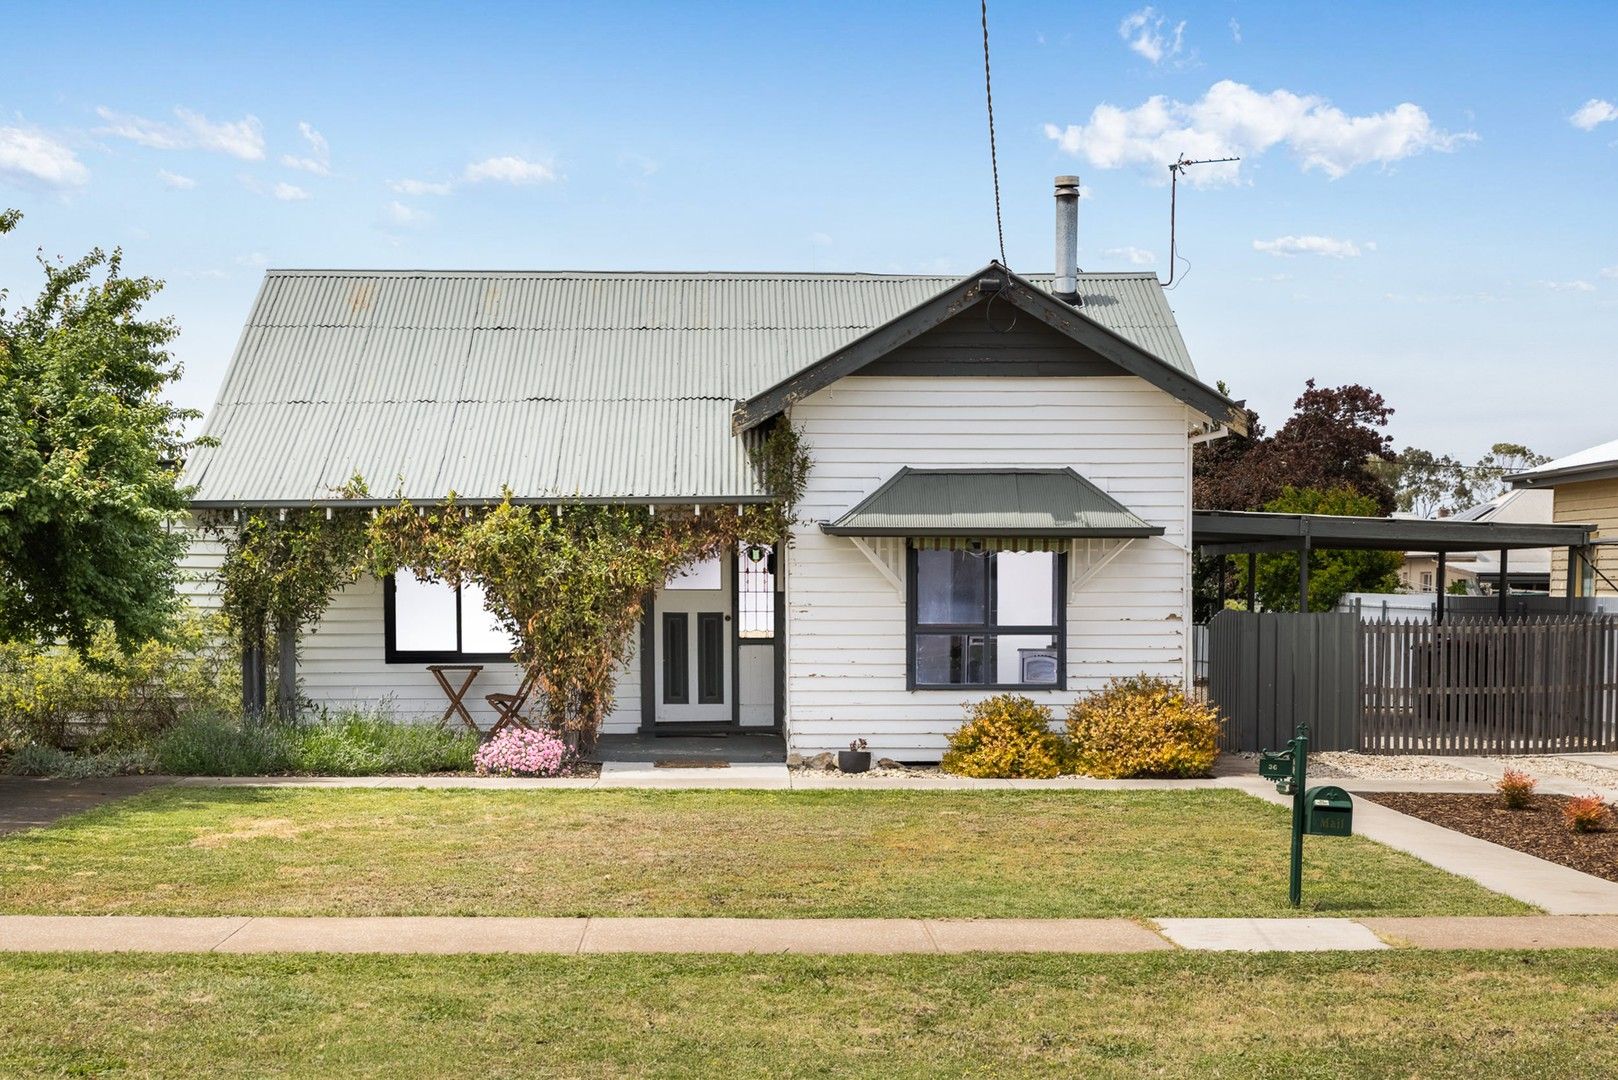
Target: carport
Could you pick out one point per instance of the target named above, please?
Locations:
(1222, 533)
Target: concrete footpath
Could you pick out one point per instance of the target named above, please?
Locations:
(586, 936)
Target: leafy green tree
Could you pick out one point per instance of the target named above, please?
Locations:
(1331, 573)
(1503, 459)
(90, 452)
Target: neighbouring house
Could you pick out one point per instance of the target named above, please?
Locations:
(999, 497)
(1585, 487)
(1526, 571)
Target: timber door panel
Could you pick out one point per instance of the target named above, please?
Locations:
(692, 646)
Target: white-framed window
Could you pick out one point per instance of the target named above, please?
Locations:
(428, 622)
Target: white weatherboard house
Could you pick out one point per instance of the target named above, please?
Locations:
(1000, 491)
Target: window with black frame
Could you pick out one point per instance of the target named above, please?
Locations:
(986, 618)
(440, 622)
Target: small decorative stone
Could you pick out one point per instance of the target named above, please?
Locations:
(821, 761)
(888, 763)
(794, 760)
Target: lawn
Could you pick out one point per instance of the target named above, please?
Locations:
(267, 851)
(1295, 1016)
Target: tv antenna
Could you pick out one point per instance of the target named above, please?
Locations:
(1175, 170)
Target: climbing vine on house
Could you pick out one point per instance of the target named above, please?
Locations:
(280, 572)
(570, 582)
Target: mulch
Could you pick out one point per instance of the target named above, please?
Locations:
(1537, 830)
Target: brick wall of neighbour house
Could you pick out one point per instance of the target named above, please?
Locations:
(1594, 502)
(846, 623)
(342, 663)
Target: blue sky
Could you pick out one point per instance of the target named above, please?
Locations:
(1424, 203)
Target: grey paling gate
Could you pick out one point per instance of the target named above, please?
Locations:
(1473, 685)
(1541, 684)
(1268, 671)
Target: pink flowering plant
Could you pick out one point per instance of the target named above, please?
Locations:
(522, 752)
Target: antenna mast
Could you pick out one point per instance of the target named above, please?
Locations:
(1174, 188)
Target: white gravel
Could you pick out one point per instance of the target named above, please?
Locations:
(1392, 767)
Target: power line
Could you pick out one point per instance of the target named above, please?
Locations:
(994, 160)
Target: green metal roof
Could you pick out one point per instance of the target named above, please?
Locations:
(558, 385)
(990, 502)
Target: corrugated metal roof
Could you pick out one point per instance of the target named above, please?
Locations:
(989, 502)
(555, 384)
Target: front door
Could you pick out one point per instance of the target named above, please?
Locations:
(693, 630)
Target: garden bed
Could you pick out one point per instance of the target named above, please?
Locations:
(1537, 830)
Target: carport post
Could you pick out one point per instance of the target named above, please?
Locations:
(1224, 565)
(1503, 590)
(1438, 605)
(1252, 581)
(1303, 574)
(1572, 568)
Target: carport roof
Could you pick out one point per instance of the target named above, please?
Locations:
(1229, 531)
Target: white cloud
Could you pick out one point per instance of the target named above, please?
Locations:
(253, 258)
(1328, 246)
(289, 192)
(319, 159)
(176, 181)
(1134, 256)
(1234, 120)
(509, 170)
(820, 239)
(242, 138)
(420, 187)
(35, 157)
(400, 214)
(1235, 30)
(1569, 286)
(1609, 272)
(1143, 30)
(1593, 113)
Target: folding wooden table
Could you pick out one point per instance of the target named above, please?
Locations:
(455, 694)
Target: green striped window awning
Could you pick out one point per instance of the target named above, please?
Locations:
(990, 509)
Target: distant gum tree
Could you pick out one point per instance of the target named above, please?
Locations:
(90, 452)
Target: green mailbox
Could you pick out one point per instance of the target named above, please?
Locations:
(1328, 811)
(1275, 764)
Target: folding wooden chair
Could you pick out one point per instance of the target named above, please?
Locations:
(511, 706)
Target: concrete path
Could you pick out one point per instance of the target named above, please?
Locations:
(444, 935)
(29, 802)
(1269, 935)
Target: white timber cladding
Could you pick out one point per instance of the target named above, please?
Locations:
(341, 660)
(845, 621)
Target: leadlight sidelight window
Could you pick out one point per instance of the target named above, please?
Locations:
(755, 592)
(986, 618)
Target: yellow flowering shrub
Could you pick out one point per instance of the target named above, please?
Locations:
(1142, 727)
(1006, 736)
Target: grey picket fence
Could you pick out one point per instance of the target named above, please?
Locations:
(1472, 685)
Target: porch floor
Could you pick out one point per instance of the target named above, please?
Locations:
(734, 748)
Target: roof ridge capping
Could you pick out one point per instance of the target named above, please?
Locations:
(1000, 282)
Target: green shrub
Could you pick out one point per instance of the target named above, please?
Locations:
(1142, 727)
(372, 744)
(211, 744)
(53, 696)
(1006, 736)
(37, 759)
